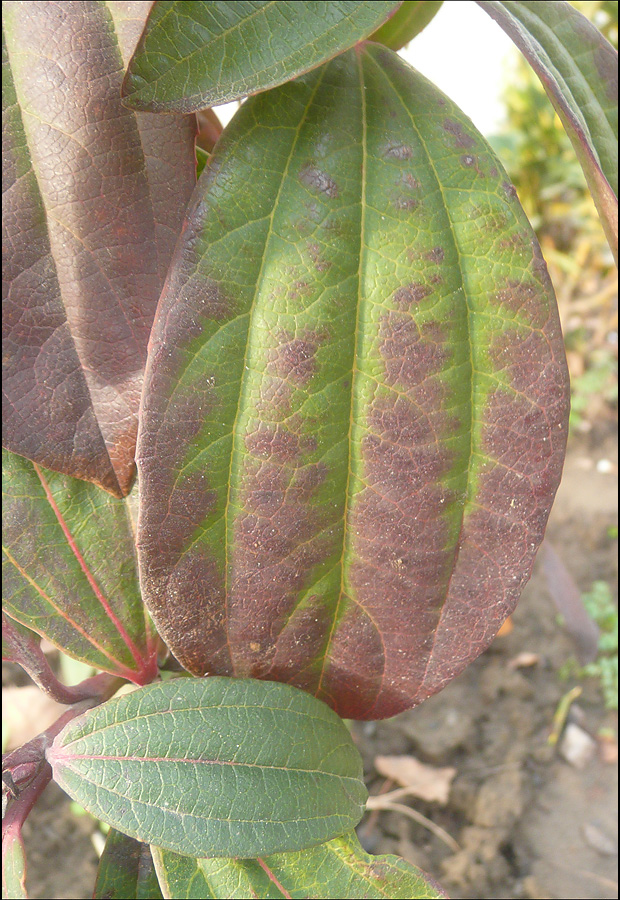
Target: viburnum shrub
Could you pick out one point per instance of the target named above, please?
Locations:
(340, 357)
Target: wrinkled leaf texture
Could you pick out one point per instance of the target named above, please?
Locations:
(126, 870)
(408, 21)
(339, 868)
(578, 68)
(69, 569)
(93, 199)
(354, 418)
(214, 767)
(194, 55)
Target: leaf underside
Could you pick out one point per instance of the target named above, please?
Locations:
(93, 199)
(194, 55)
(214, 767)
(336, 869)
(126, 870)
(356, 398)
(408, 21)
(578, 68)
(69, 569)
(13, 867)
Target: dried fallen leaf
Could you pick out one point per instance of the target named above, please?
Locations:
(426, 782)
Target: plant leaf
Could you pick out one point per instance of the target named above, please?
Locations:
(412, 18)
(194, 55)
(336, 869)
(578, 68)
(355, 407)
(13, 866)
(85, 258)
(214, 767)
(69, 569)
(126, 870)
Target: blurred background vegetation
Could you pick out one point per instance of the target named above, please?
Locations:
(542, 164)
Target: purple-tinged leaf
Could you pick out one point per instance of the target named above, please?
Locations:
(579, 71)
(339, 868)
(84, 257)
(409, 20)
(356, 400)
(69, 569)
(200, 54)
(126, 870)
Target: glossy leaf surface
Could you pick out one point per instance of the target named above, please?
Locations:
(84, 256)
(339, 868)
(69, 571)
(126, 870)
(579, 71)
(194, 55)
(355, 410)
(214, 767)
(409, 20)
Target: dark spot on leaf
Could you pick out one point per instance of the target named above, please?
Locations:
(493, 172)
(276, 443)
(461, 138)
(405, 297)
(408, 358)
(320, 263)
(294, 359)
(509, 189)
(319, 181)
(398, 151)
(408, 203)
(527, 299)
(436, 255)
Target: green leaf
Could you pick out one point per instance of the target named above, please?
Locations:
(126, 870)
(214, 767)
(93, 200)
(412, 17)
(199, 54)
(69, 569)
(339, 868)
(355, 405)
(579, 71)
(13, 866)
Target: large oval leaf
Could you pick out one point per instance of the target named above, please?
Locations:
(339, 868)
(194, 55)
(214, 767)
(579, 71)
(355, 410)
(84, 256)
(69, 571)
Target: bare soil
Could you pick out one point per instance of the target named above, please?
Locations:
(529, 824)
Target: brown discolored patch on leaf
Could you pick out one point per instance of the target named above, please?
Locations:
(461, 138)
(279, 536)
(526, 298)
(408, 358)
(509, 189)
(279, 443)
(436, 255)
(319, 181)
(398, 151)
(295, 358)
(408, 203)
(410, 295)
(301, 643)
(525, 358)
(320, 263)
(472, 162)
